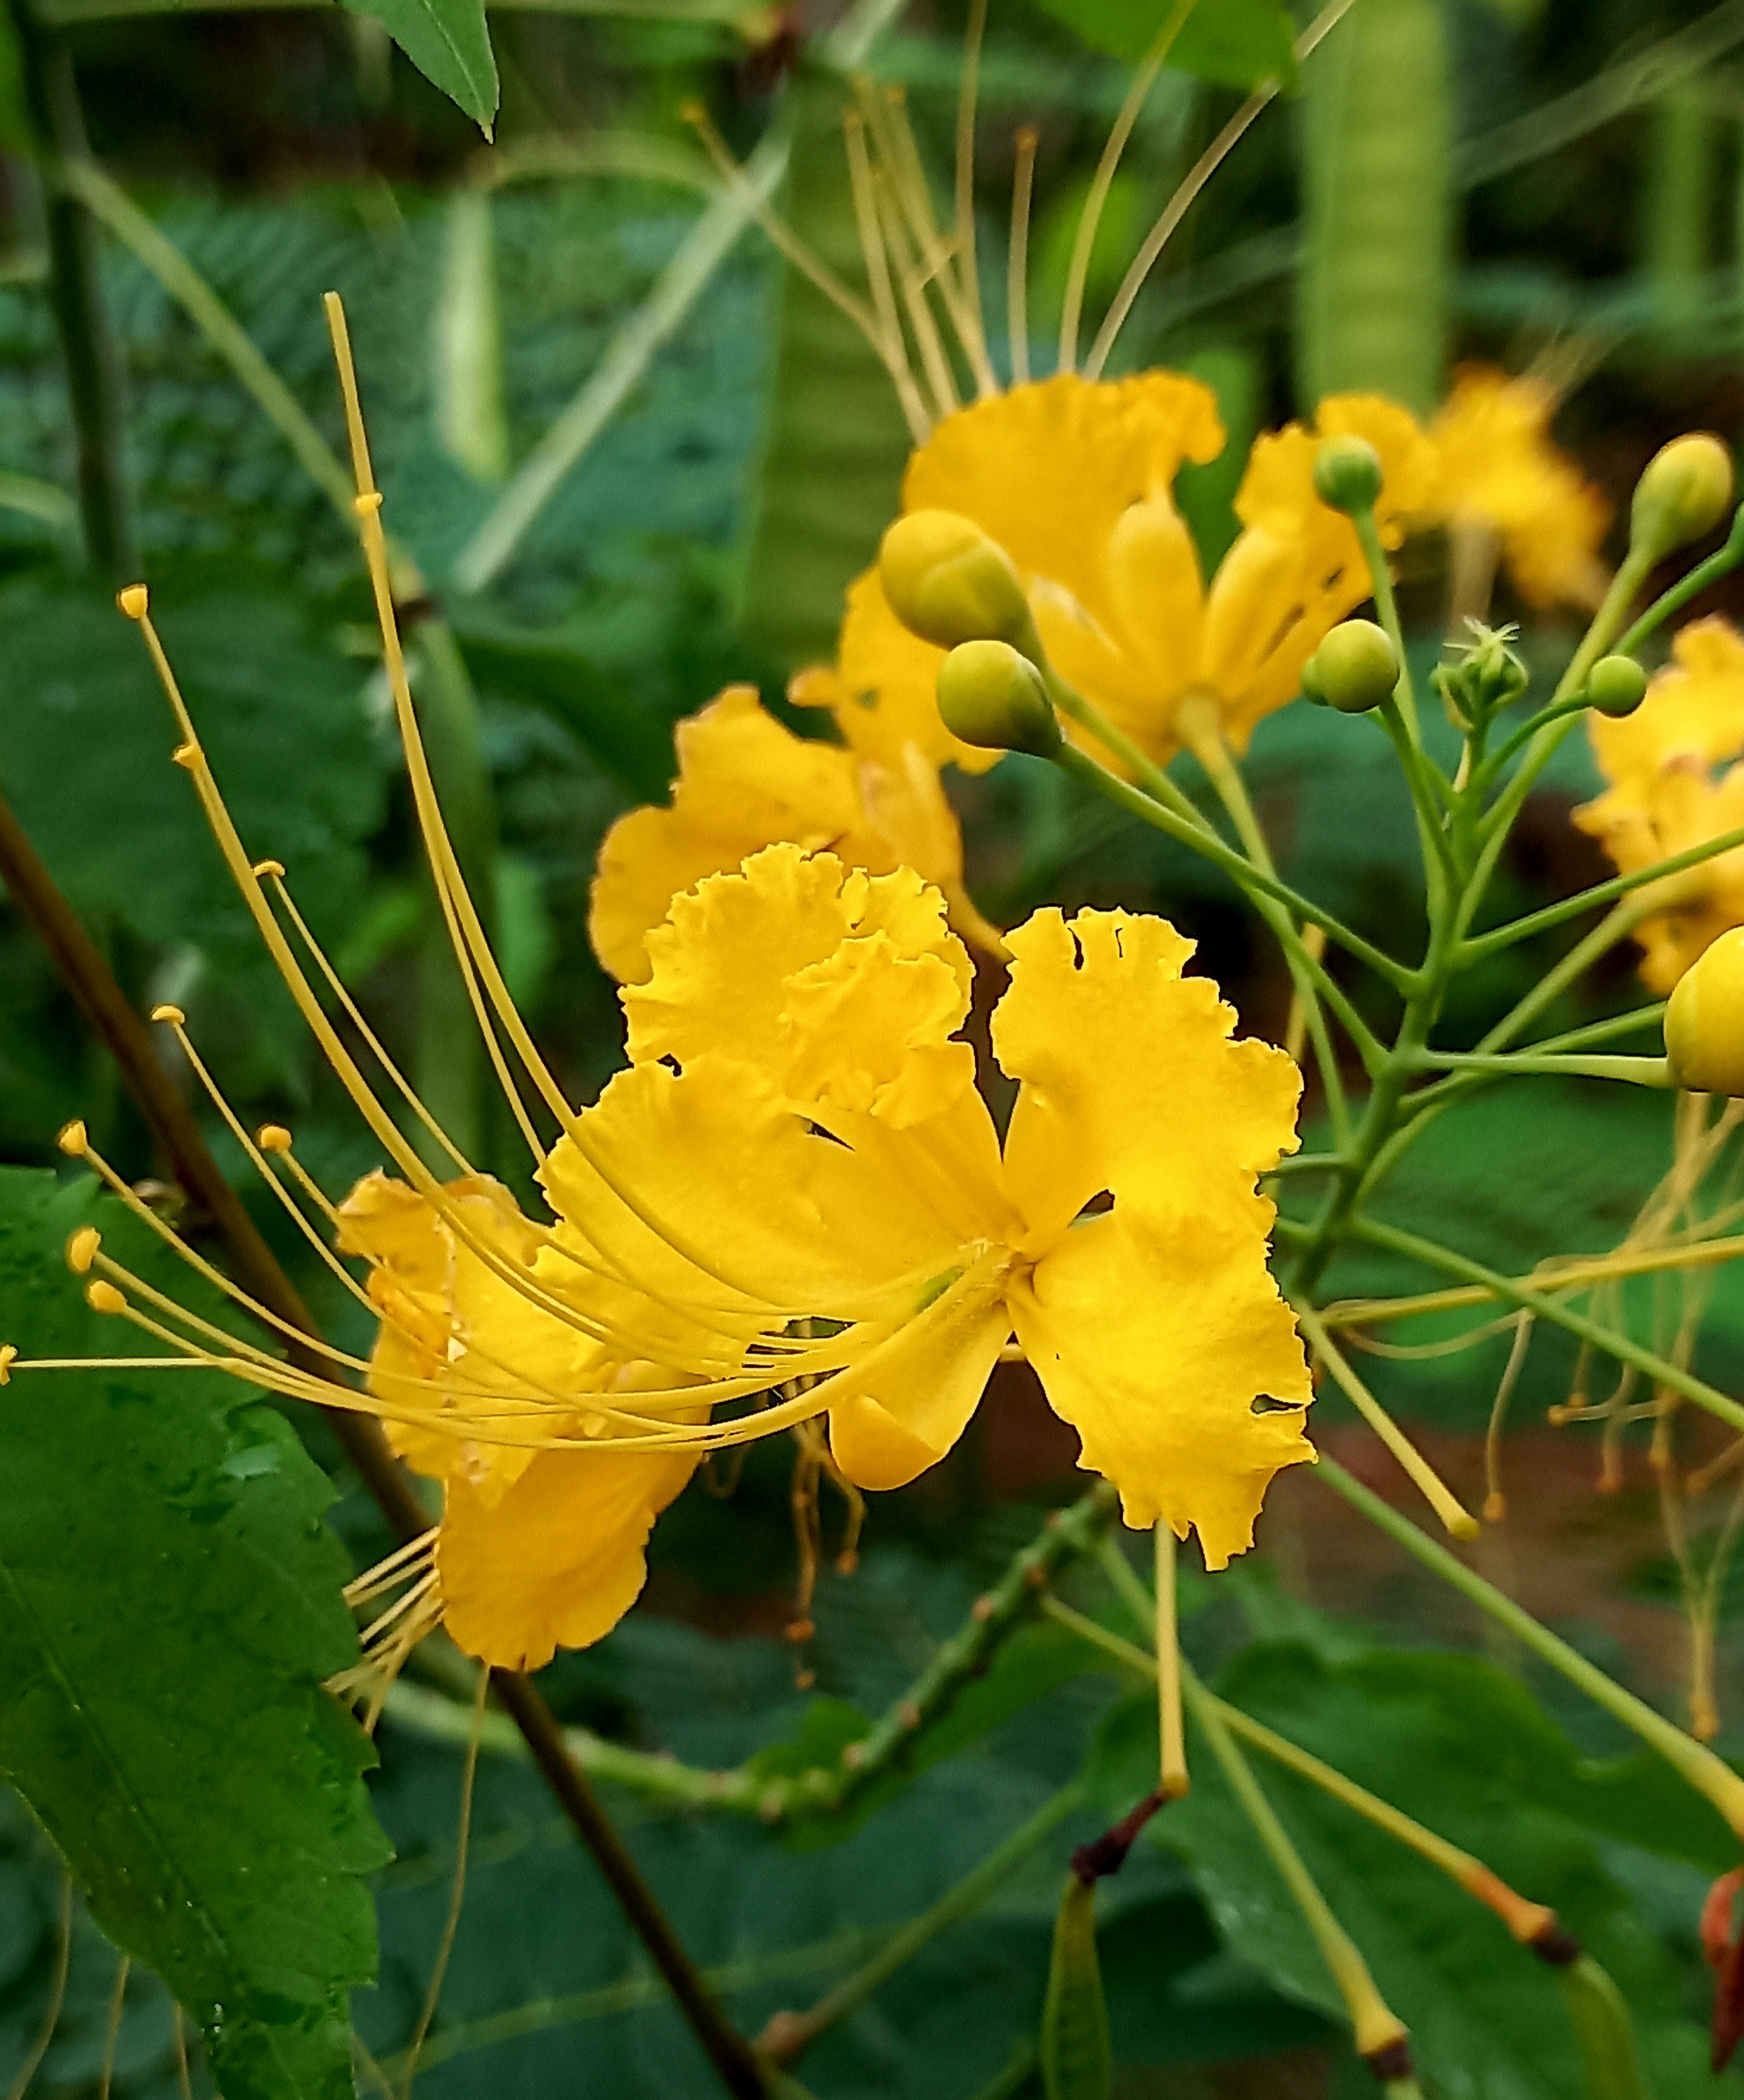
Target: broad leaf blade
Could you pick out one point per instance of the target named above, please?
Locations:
(169, 1604)
(1235, 43)
(448, 42)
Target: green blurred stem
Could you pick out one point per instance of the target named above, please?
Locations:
(1236, 865)
(1637, 1071)
(789, 2035)
(1213, 752)
(1720, 563)
(1480, 946)
(87, 348)
(1697, 1764)
(1386, 604)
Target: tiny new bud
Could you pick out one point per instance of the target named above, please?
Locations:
(1347, 474)
(134, 601)
(1704, 1020)
(1356, 667)
(1683, 492)
(1616, 685)
(990, 695)
(947, 582)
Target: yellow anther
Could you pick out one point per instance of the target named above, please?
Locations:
(81, 1249)
(187, 755)
(8, 1358)
(273, 1137)
(368, 503)
(264, 868)
(172, 1016)
(74, 1140)
(134, 601)
(103, 1297)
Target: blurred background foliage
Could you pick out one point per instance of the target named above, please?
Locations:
(1495, 178)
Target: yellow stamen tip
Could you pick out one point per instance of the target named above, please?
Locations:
(273, 1137)
(264, 868)
(1495, 1508)
(366, 505)
(691, 112)
(74, 1140)
(8, 1358)
(134, 601)
(172, 1016)
(1464, 1526)
(81, 1249)
(103, 1297)
(187, 755)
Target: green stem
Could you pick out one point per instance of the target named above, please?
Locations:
(1720, 563)
(87, 348)
(1638, 1071)
(1696, 1763)
(789, 2035)
(1659, 1369)
(1386, 604)
(1306, 975)
(1484, 945)
(1241, 870)
(1617, 925)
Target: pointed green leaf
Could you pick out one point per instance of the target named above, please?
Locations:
(1237, 43)
(1077, 2059)
(448, 42)
(169, 1605)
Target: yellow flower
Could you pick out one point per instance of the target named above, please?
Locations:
(1499, 475)
(804, 1143)
(1665, 796)
(1072, 478)
(746, 781)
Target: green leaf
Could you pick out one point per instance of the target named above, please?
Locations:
(1237, 43)
(1604, 2033)
(449, 43)
(1077, 2059)
(1454, 1743)
(834, 442)
(169, 1607)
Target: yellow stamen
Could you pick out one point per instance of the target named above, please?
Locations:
(968, 277)
(892, 345)
(1171, 1733)
(81, 1249)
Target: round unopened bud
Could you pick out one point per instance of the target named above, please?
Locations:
(991, 696)
(1616, 685)
(948, 582)
(1312, 690)
(1683, 492)
(1704, 1020)
(1356, 668)
(1347, 474)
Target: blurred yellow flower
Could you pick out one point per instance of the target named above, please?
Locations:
(1073, 478)
(1665, 797)
(746, 781)
(1503, 487)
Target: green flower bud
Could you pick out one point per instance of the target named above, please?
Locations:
(1704, 1021)
(1310, 683)
(1616, 686)
(1356, 667)
(990, 695)
(1347, 474)
(947, 582)
(1685, 492)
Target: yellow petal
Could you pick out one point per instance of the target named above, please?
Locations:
(1153, 1336)
(558, 1559)
(744, 781)
(843, 988)
(914, 1406)
(741, 1202)
(1155, 1327)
